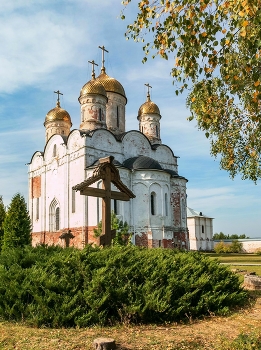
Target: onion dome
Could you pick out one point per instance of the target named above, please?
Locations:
(111, 84)
(148, 107)
(57, 114)
(93, 87)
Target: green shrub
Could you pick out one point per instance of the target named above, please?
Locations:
(221, 247)
(236, 246)
(68, 287)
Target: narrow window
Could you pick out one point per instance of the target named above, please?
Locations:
(73, 201)
(115, 207)
(54, 151)
(166, 205)
(202, 229)
(100, 114)
(152, 203)
(99, 206)
(157, 131)
(142, 129)
(57, 219)
(159, 243)
(37, 209)
(118, 119)
(183, 209)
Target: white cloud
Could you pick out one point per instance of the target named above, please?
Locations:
(35, 44)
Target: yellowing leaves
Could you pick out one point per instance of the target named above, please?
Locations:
(257, 83)
(245, 23)
(204, 34)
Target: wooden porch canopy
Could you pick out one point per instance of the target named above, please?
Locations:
(109, 174)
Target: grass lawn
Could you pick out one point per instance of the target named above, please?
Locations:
(237, 258)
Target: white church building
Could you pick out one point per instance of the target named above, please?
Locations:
(156, 216)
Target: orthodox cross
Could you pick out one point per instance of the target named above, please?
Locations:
(108, 173)
(148, 86)
(58, 98)
(103, 60)
(93, 63)
(67, 235)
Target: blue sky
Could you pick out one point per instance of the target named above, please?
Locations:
(46, 45)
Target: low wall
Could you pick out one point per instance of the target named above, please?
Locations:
(249, 245)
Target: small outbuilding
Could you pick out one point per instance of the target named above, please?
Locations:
(200, 229)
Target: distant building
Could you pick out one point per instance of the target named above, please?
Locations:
(200, 229)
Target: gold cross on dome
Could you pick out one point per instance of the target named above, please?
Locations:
(58, 98)
(103, 60)
(148, 86)
(93, 63)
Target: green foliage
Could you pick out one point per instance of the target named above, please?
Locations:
(68, 287)
(221, 247)
(122, 231)
(217, 49)
(234, 247)
(221, 235)
(243, 341)
(2, 218)
(17, 224)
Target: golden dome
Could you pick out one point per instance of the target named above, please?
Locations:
(93, 87)
(111, 84)
(148, 107)
(56, 114)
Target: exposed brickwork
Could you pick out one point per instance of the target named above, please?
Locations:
(179, 237)
(167, 243)
(36, 187)
(84, 236)
(175, 204)
(141, 240)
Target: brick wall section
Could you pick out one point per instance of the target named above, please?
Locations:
(142, 240)
(36, 187)
(87, 237)
(181, 236)
(167, 243)
(175, 204)
(82, 236)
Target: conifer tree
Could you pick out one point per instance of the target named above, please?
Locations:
(17, 224)
(2, 218)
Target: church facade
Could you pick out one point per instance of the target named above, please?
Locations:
(156, 216)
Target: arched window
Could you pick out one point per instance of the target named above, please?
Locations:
(166, 204)
(100, 114)
(202, 229)
(153, 203)
(57, 219)
(54, 151)
(54, 216)
(37, 208)
(99, 205)
(157, 131)
(183, 209)
(73, 200)
(118, 118)
(115, 206)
